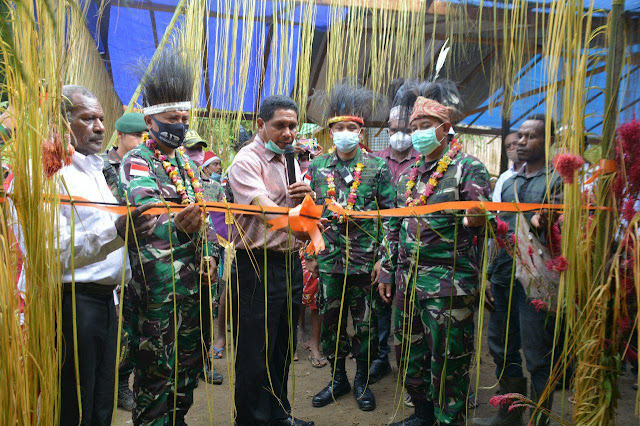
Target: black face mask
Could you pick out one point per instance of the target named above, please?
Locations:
(171, 135)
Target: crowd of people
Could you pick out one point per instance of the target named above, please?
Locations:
(419, 272)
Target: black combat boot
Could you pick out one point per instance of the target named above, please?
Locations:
(423, 416)
(505, 416)
(541, 416)
(336, 388)
(364, 397)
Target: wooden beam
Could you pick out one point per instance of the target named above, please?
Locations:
(532, 92)
(156, 7)
(477, 68)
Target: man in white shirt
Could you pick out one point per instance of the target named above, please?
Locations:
(511, 146)
(96, 265)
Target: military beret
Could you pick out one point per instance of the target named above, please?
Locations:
(131, 122)
(192, 139)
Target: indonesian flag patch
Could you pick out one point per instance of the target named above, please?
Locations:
(139, 169)
(307, 178)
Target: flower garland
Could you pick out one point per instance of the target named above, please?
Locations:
(435, 177)
(174, 174)
(353, 196)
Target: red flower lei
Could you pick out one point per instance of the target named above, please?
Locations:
(175, 175)
(435, 177)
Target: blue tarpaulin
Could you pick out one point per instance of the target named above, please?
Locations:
(128, 32)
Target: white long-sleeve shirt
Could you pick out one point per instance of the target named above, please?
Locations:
(497, 190)
(99, 255)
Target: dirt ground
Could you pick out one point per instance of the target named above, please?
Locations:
(212, 404)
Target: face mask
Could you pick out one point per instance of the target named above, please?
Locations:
(196, 155)
(170, 135)
(273, 147)
(425, 141)
(215, 176)
(346, 141)
(400, 141)
(304, 165)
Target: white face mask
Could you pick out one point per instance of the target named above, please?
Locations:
(346, 141)
(400, 141)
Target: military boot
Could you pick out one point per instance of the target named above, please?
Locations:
(504, 416)
(336, 388)
(540, 417)
(364, 397)
(423, 416)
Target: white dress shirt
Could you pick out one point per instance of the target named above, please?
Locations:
(497, 190)
(99, 255)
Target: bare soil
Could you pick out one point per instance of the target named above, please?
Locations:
(212, 404)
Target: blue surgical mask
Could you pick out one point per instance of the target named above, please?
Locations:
(273, 147)
(215, 176)
(346, 141)
(425, 141)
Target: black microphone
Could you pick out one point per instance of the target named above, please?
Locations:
(289, 155)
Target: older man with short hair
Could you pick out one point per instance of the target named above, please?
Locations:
(93, 261)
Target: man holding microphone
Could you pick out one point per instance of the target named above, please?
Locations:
(267, 275)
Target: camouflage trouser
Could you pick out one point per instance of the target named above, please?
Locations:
(357, 299)
(438, 353)
(153, 352)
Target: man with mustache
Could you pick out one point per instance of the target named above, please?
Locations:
(92, 262)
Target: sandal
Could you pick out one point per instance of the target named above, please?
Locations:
(217, 353)
(317, 362)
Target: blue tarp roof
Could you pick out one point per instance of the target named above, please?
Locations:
(125, 35)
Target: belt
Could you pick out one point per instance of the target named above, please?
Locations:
(90, 288)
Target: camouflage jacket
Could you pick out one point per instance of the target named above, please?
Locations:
(364, 235)
(212, 190)
(111, 171)
(168, 253)
(439, 242)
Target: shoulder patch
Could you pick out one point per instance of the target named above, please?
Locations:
(139, 169)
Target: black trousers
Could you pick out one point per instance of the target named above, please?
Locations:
(97, 339)
(258, 400)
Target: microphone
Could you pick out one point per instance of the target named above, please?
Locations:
(289, 155)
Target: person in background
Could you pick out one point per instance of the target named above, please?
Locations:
(399, 155)
(431, 260)
(97, 246)
(535, 182)
(212, 192)
(130, 128)
(308, 150)
(212, 166)
(504, 319)
(355, 180)
(267, 310)
(217, 350)
(511, 148)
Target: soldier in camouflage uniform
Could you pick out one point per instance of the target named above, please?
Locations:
(130, 128)
(170, 265)
(432, 262)
(358, 181)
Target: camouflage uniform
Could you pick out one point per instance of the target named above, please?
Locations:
(164, 273)
(362, 243)
(434, 308)
(111, 171)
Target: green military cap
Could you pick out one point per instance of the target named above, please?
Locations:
(192, 139)
(131, 122)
